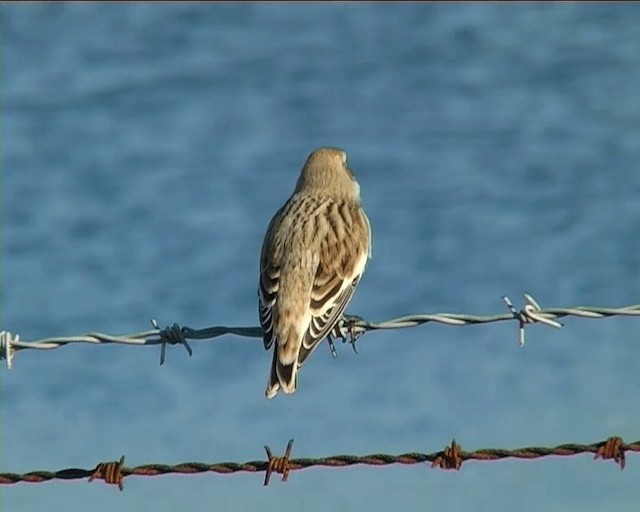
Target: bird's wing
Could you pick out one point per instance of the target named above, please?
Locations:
(267, 298)
(268, 285)
(342, 262)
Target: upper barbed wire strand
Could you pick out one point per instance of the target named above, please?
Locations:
(349, 327)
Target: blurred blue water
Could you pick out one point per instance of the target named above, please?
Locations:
(145, 148)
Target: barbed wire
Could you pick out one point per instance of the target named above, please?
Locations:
(451, 457)
(349, 328)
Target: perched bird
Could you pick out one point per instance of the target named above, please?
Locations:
(313, 256)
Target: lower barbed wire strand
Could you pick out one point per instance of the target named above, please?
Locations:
(451, 457)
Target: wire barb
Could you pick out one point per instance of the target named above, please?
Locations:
(6, 347)
(450, 458)
(612, 448)
(278, 464)
(110, 472)
(530, 314)
(173, 335)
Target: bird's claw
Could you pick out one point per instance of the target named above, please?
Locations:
(349, 331)
(332, 347)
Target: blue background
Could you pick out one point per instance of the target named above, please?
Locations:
(145, 148)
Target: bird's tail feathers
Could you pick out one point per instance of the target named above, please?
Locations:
(288, 376)
(274, 384)
(282, 376)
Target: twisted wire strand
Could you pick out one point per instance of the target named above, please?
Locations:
(451, 457)
(349, 328)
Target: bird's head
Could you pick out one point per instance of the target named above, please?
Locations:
(326, 171)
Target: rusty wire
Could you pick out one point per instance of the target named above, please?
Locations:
(110, 472)
(349, 328)
(451, 457)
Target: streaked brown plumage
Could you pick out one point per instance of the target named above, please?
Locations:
(313, 255)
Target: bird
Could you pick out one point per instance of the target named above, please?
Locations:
(313, 256)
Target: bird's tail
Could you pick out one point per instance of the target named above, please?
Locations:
(282, 376)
